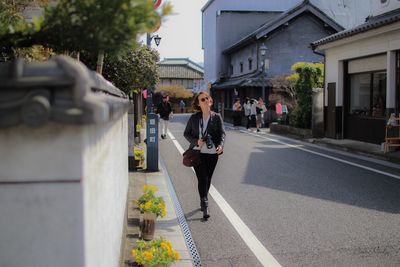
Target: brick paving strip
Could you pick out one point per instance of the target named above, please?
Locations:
(132, 228)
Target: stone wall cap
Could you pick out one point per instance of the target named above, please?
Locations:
(62, 90)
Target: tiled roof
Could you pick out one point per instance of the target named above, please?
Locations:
(253, 79)
(372, 23)
(182, 68)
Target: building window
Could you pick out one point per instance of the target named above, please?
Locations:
(241, 67)
(250, 64)
(190, 84)
(231, 69)
(368, 94)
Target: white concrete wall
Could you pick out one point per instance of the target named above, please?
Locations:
(105, 186)
(379, 8)
(63, 192)
(348, 13)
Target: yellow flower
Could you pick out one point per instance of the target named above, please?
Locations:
(164, 245)
(148, 205)
(148, 255)
(134, 253)
(177, 256)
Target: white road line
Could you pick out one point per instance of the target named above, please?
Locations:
(261, 253)
(325, 156)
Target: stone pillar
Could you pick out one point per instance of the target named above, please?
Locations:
(317, 122)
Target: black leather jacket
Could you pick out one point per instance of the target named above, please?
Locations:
(215, 128)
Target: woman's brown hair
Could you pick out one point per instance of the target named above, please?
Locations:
(196, 104)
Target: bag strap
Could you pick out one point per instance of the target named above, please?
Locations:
(208, 125)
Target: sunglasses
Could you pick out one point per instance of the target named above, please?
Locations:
(203, 99)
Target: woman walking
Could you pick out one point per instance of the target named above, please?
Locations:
(205, 131)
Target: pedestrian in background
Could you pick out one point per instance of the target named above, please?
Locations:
(237, 108)
(260, 109)
(165, 111)
(253, 114)
(247, 111)
(205, 131)
(182, 105)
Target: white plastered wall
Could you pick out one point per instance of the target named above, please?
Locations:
(63, 191)
(380, 41)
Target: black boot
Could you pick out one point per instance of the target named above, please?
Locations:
(204, 208)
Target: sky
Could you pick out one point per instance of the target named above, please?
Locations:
(181, 32)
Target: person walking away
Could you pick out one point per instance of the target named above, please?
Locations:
(237, 108)
(165, 111)
(247, 111)
(253, 114)
(260, 109)
(182, 105)
(205, 131)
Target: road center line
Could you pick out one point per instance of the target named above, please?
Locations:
(326, 156)
(261, 253)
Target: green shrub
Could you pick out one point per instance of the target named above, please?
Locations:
(310, 75)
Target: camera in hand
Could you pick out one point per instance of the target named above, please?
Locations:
(208, 141)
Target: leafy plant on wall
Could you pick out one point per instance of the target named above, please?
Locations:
(133, 70)
(100, 27)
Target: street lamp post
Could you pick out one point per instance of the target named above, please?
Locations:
(151, 121)
(263, 52)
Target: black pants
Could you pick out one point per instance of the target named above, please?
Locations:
(236, 118)
(252, 121)
(204, 173)
(248, 122)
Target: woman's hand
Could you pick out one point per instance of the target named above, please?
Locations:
(200, 142)
(219, 150)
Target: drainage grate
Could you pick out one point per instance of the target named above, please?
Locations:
(182, 221)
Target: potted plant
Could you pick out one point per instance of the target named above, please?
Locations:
(151, 207)
(148, 193)
(138, 154)
(158, 252)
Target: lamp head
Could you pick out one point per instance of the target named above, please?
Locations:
(157, 39)
(263, 49)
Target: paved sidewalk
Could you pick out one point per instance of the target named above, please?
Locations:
(167, 227)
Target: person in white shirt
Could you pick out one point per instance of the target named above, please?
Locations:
(205, 132)
(247, 111)
(253, 113)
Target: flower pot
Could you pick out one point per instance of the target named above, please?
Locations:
(148, 226)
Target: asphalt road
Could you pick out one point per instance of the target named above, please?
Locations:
(307, 205)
